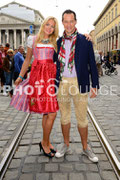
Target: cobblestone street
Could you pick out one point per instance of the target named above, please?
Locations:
(29, 163)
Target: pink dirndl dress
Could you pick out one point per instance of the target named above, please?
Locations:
(37, 94)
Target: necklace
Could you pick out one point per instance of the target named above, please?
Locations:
(45, 41)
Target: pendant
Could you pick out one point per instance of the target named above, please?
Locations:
(45, 41)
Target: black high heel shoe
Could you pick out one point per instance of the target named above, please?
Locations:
(46, 154)
(53, 151)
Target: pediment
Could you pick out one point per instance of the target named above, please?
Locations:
(7, 19)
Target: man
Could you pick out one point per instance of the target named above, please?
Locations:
(18, 61)
(98, 63)
(75, 63)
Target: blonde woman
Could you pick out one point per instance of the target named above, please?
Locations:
(37, 94)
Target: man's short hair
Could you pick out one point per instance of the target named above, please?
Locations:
(68, 11)
(20, 47)
(7, 45)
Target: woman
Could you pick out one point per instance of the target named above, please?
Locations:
(38, 93)
(8, 66)
(2, 56)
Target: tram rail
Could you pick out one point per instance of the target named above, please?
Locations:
(105, 144)
(13, 146)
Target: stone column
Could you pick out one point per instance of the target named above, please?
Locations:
(3, 35)
(7, 35)
(119, 40)
(22, 32)
(14, 38)
(0, 36)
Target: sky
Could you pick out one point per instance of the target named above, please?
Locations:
(87, 11)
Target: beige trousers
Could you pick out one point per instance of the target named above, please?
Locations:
(68, 90)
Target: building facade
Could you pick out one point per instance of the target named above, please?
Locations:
(107, 27)
(17, 22)
(92, 34)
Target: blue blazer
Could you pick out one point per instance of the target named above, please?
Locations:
(84, 64)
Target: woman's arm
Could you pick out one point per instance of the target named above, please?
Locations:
(25, 65)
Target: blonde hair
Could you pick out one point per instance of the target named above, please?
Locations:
(10, 50)
(52, 37)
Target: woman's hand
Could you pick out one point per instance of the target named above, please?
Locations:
(88, 37)
(18, 81)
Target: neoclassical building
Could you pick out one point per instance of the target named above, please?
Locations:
(92, 34)
(17, 22)
(107, 27)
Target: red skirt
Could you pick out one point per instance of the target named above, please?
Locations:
(39, 91)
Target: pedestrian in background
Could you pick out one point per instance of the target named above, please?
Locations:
(98, 63)
(18, 62)
(7, 46)
(2, 56)
(8, 67)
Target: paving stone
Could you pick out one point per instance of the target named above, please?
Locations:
(1, 150)
(23, 148)
(58, 159)
(51, 167)
(98, 150)
(25, 142)
(81, 167)
(108, 175)
(66, 167)
(92, 167)
(35, 141)
(72, 158)
(43, 159)
(93, 176)
(93, 138)
(20, 154)
(95, 144)
(102, 157)
(105, 165)
(30, 159)
(15, 163)
(10, 175)
(59, 176)
(3, 143)
(31, 168)
(26, 136)
(26, 177)
(42, 176)
(35, 150)
(76, 176)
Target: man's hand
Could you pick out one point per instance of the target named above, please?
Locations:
(93, 92)
(88, 37)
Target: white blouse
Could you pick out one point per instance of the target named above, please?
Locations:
(30, 43)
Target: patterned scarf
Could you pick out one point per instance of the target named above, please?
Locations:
(61, 56)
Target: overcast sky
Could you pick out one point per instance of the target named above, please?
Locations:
(87, 10)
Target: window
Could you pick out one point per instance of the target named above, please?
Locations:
(106, 20)
(109, 17)
(116, 11)
(112, 14)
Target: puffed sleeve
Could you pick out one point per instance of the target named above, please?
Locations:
(30, 41)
